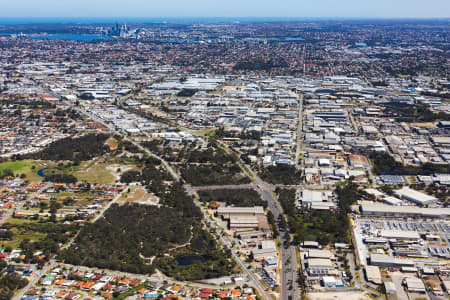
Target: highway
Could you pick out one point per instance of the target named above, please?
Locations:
(256, 283)
(172, 172)
(288, 255)
(299, 131)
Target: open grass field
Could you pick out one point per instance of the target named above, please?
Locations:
(95, 172)
(19, 234)
(205, 132)
(26, 167)
(19, 237)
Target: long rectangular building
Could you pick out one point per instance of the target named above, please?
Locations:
(384, 260)
(415, 196)
(228, 211)
(370, 208)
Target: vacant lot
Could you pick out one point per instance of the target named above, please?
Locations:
(141, 196)
(338, 295)
(95, 172)
(112, 143)
(428, 125)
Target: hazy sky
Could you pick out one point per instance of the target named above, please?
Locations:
(226, 8)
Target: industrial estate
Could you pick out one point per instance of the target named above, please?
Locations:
(225, 160)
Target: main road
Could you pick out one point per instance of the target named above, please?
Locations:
(289, 287)
(299, 132)
(255, 282)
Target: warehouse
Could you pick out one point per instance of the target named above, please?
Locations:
(393, 201)
(310, 197)
(320, 263)
(389, 286)
(383, 260)
(370, 208)
(415, 196)
(260, 254)
(228, 211)
(441, 140)
(400, 234)
(414, 284)
(244, 222)
(319, 253)
(373, 274)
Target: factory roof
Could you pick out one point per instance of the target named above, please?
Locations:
(320, 263)
(399, 234)
(240, 210)
(383, 259)
(415, 284)
(384, 209)
(373, 274)
(415, 196)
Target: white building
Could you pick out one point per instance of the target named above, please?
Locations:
(415, 196)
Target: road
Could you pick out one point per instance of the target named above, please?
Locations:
(256, 283)
(22, 203)
(158, 277)
(228, 187)
(114, 130)
(250, 274)
(38, 274)
(288, 254)
(299, 131)
(110, 203)
(177, 177)
(268, 197)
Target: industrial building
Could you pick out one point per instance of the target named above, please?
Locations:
(373, 274)
(415, 196)
(414, 284)
(228, 211)
(370, 208)
(400, 234)
(318, 199)
(383, 260)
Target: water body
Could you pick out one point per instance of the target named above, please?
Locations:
(73, 37)
(293, 39)
(41, 172)
(189, 260)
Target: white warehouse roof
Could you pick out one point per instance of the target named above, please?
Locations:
(384, 209)
(399, 234)
(415, 196)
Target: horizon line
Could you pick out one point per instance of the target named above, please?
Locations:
(193, 19)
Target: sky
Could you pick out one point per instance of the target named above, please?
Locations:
(225, 8)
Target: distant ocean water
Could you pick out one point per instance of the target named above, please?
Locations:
(18, 21)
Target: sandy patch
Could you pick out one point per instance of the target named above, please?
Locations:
(141, 196)
(338, 295)
(423, 125)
